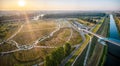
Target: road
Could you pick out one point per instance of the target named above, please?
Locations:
(101, 37)
(102, 41)
(87, 53)
(82, 28)
(77, 47)
(82, 33)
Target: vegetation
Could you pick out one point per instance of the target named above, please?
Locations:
(105, 33)
(80, 60)
(67, 49)
(34, 30)
(7, 29)
(95, 52)
(95, 30)
(61, 36)
(13, 17)
(98, 25)
(30, 55)
(79, 51)
(86, 23)
(117, 20)
(73, 15)
(31, 31)
(55, 58)
(6, 47)
(103, 57)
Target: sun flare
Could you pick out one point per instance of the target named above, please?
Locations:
(21, 3)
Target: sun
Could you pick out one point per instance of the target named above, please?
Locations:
(21, 3)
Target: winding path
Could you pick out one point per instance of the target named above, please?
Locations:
(13, 34)
(34, 45)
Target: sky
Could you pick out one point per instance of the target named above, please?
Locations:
(61, 5)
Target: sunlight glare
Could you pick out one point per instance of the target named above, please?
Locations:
(21, 3)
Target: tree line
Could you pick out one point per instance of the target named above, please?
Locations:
(55, 57)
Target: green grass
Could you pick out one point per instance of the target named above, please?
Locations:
(96, 30)
(103, 30)
(103, 57)
(98, 25)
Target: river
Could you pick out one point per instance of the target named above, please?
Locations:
(113, 55)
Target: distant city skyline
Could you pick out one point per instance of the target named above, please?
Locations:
(61, 5)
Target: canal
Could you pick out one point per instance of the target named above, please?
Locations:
(113, 55)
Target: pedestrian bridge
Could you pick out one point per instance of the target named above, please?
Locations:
(101, 38)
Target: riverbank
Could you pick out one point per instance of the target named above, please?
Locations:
(105, 48)
(117, 21)
(113, 54)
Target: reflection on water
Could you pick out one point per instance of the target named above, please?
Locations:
(113, 56)
(113, 29)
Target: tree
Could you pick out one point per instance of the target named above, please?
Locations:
(47, 61)
(55, 58)
(60, 54)
(67, 49)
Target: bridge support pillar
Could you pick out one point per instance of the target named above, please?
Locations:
(101, 41)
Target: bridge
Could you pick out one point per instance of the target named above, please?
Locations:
(101, 37)
(79, 27)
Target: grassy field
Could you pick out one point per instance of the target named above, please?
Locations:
(60, 38)
(98, 25)
(34, 30)
(7, 47)
(29, 33)
(24, 58)
(86, 23)
(34, 54)
(8, 29)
